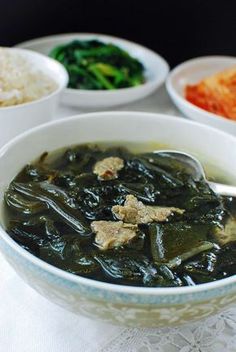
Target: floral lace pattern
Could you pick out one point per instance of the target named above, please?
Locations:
(216, 334)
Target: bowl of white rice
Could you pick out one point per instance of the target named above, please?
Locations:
(30, 87)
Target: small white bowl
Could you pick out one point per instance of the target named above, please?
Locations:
(156, 70)
(191, 72)
(19, 118)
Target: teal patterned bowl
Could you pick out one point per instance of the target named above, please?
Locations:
(123, 305)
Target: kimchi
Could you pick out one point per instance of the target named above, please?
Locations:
(216, 93)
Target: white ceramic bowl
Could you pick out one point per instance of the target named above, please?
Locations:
(18, 118)
(190, 72)
(156, 70)
(126, 305)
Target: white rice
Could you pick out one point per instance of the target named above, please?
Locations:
(20, 82)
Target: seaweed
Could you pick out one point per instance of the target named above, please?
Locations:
(51, 203)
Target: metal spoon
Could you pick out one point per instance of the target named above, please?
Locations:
(197, 171)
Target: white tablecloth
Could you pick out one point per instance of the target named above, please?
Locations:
(29, 323)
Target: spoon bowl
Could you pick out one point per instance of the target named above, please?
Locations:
(195, 168)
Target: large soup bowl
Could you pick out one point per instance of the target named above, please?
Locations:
(125, 305)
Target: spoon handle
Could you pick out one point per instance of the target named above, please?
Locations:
(224, 190)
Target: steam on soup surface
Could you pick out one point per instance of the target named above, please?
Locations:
(112, 215)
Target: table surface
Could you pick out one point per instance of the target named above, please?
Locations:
(30, 323)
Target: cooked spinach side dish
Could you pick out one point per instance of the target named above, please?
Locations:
(92, 64)
(127, 218)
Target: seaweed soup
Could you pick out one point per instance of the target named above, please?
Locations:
(133, 218)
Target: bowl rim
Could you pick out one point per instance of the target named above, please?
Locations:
(124, 289)
(181, 99)
(60, 85)
(146, 84)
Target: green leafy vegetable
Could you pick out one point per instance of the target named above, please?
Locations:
(92, 64)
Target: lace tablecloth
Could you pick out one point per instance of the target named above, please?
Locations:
(29, 323)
